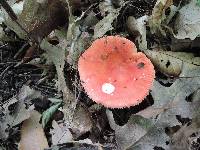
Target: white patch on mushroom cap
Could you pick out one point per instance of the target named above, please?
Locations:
(108, 88)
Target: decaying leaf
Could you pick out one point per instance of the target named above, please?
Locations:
(137, 27)
(171, 101)
(32, 134)
(79, 43)
(158, 16)
(171, 63)
(187, 23)
(106, 6)
(198, 2)
(155, 138)
(105, 24)
(60, 134)
(77, 145)
(82, 121)
(76, 38)
(187, 137)
(144, 130)
(11, 117)
(90, 20)
(57, 56)
(138, 134)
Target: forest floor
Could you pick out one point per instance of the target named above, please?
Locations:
(42, 102)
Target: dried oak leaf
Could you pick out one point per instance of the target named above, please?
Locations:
(14, 111)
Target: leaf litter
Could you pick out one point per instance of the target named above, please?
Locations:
(70, 118)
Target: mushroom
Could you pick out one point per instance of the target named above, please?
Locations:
(114, 74)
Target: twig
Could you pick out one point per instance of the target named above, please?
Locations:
(1, 75)
(21, 50)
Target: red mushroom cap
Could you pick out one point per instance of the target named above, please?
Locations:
(114, 74)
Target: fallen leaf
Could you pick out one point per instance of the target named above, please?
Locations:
(18, 112)
(77, 146)
(16, 7)
(171, 63)
(137, 27)
(105, 7)
(187, 136)
(39, 18)
(74, 40)
(57, 56)
(158, 17)
(138, 133)
(198, 2)
(105, 24)
(60, 134)
(46, 115)
(187, 24)
(82, 121)
(32, 134)
(171, 101)
(90, 20)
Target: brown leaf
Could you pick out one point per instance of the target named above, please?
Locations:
(30, 53)
(40, 18)
(32, 134)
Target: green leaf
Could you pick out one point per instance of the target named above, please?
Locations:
(46, 115)
(198, 2)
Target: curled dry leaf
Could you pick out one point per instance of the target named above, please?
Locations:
(171, 63)
(158, 16)
(32, 134)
